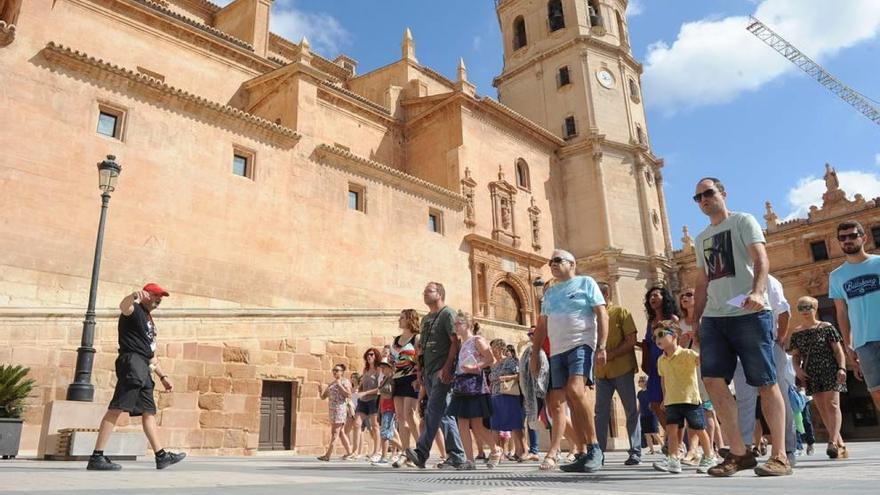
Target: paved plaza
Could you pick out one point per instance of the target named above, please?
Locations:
(291, 474)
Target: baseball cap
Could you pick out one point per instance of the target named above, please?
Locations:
(156, 290)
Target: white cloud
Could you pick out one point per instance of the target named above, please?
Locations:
(714, 60)
(877, 159)
(325, 33)
(635, 7)
(809, 190)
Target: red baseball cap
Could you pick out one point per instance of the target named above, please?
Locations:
(156, 290)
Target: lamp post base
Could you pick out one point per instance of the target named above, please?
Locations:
(82, 392)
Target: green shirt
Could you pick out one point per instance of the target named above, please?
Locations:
(437, 329)
(723, 253)
(620, 324)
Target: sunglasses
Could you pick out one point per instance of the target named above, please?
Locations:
(659, 335)
(371, 354)
(688, 294)
(848, 237)
(337, 370)
(557, 260)
(708, 193)
(805, 307)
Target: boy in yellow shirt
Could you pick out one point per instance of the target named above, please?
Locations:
(677, 368)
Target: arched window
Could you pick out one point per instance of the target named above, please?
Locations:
(633, 89)
(555, 15)
(621, 29)
(519, 33)
(594, 13)
(522, 174)
(507, 304)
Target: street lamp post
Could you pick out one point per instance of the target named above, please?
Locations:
(82, 389)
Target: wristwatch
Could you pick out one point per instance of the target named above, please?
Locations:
(601, 348)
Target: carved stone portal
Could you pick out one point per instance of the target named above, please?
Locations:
(503, 196)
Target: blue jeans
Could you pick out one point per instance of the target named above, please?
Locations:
(435, 418)
(625, 387)
(748, 337)
(747, 398)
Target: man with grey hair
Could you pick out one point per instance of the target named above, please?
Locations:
(573, 316)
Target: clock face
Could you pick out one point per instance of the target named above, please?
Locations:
(605, 78)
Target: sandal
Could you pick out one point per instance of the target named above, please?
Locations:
(842, 453)
(832, 451)
(548, 464)
(325, 458)
(494, 460)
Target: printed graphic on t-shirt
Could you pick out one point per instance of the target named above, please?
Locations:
(151, 334)
(718, 256)
(861, 285)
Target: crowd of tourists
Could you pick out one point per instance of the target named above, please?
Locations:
(728, 370)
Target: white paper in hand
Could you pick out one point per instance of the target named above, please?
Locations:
(737, 301)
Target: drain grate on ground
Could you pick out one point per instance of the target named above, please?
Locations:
(505, 479)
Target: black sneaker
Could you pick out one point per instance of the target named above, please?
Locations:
(102, 463)
(414, 458)
(633, 460)
(169, 459)
(576, 466)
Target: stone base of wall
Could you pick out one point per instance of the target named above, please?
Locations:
(216, 360)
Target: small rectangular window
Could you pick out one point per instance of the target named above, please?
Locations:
(570, 127)
(819, 250)
(875, 234)
(357, 197)
(563, 78)
(243, 162)
(435, 221)
(240, 165)
(110, 121)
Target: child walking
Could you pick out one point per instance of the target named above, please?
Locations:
(677, 368)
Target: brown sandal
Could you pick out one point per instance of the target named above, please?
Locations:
(548, 464)
(325, 458)
(494, 460)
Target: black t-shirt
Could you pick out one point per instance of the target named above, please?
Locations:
(137, 333)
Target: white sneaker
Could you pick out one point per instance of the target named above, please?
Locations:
(662, 465)
(674, 465)
(705, 463)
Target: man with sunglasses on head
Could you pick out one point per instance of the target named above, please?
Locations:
(573, 315)
(855, 288)
(731, 298)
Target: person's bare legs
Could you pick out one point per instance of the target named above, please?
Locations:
(725, 409)
(673, 434)
(554, 404)
(773, 408)
(829, 410)
(440, 441)
(659, 413)
(108, 423)
(875, 396)
(358, 432)
(576, 395)
(148, 421)
(374, 423)
(484, 435)
(519, 442)
(334, 434)
(464, 431)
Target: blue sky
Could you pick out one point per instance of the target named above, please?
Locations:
(719, 101)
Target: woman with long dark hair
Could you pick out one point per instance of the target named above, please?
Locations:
(404, 350)
(368, 401)
(659, 306)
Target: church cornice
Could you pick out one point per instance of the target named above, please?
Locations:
(489, 245)
(596, 143)
(388, 175)
(157, 90)
(591, 42)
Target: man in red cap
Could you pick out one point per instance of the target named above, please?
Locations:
(134, 383)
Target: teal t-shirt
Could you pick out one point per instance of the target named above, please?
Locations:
(723, 252)
(859, 285)
(568, 307)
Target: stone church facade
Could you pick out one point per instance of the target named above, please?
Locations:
(293, 206)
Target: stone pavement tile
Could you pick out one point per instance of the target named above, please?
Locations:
(286, 474)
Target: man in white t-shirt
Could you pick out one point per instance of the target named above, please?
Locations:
(574, 317)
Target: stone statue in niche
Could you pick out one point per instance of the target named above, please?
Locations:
(535, 217)
(469, 207)
(9, 11)
(505, 214)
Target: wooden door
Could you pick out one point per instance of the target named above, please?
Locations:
(275, 416)
(507, 305)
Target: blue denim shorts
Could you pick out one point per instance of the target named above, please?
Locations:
(574, 362)
(677, 414)
(869, 362)
(386, 431)
(748, 337)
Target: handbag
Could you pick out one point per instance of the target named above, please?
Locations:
(468, 384)
(510, 387)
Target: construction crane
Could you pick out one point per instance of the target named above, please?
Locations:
(861, 103)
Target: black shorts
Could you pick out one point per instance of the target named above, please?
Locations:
(368, 407)
(403, 387)
(676, 414)
(134, 386)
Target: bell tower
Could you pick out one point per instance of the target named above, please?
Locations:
(568, 67)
